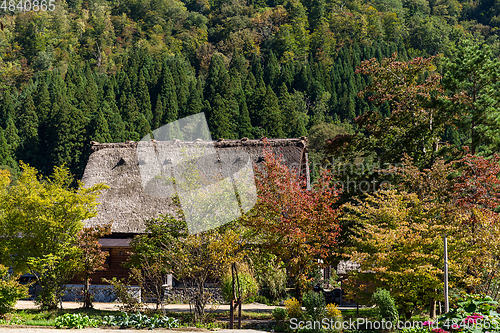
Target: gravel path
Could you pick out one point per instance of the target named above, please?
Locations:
(255, 307)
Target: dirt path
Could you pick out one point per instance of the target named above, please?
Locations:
(254, 307)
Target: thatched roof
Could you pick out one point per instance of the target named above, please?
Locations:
(344, 267)
(127, 204)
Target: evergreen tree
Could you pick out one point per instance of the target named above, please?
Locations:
(28, 131)
(245, 129)
(272, 70)
(238, 65)
(90, 104)
(143, 98)
(7, 109)
(179, 74)
(167, 109)
(6, 152)
(474, 71)
(43, 104)
(293, 110)
(217, 80)
(70, 141)
(304, 81)
(220, 122)
(195, 100)
(272, 119)
(11, 135)
(257, 71)
(242, 116)
(287, 74)
(99, 128)
(116, 126)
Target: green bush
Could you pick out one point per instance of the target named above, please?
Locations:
(130, 302)
(270, 275)
(386, 305)
(248, 286)
(75, 320)
(315, 305)
(10, 290)
(280, 314)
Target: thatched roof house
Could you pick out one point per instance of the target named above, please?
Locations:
(127, 204)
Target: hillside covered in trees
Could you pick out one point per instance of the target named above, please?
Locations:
(112, 71)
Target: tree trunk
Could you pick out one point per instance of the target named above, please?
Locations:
(87, 304)
(432, 307)
(199, 304)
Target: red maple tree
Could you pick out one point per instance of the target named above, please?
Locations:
(296, 224)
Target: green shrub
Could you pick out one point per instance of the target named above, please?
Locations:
(280, 314)
(130, 302)
(270, 275)
(75, 320)
(315, 305)
(139, 320)
(386, 305)
(248, 286)
(10, 290)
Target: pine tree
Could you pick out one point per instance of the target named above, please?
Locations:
(304, 80)
(7, 109)
(242, 116)
(116, 125)
(217, 80)
(179, 74)
(89, 99)
(195, 100)
(238, 65)
(272, 70)
(287, 74)
(143, 98)
(140, 125)
(245, 129)
(257, 71)
(11, 135)
(43, 104)
(99, 128)
(167, 109)
(295, 117)
(220, 121)
(256, 104)
(111, 112)
(5, 153)
(70, 141)
(272, 119)
(28, 131)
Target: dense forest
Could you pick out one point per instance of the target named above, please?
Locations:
(112, 71)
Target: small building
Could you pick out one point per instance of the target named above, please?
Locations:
(127, 205)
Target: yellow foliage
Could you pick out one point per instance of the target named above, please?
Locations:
(293, 307)
(4, 179)
(332, 311)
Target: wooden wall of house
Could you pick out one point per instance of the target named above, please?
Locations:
(113, 267)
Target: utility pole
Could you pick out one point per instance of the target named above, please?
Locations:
(446, 303)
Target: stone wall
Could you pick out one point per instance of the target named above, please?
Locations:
(182, 295)
(101, 293)
(106, 293)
